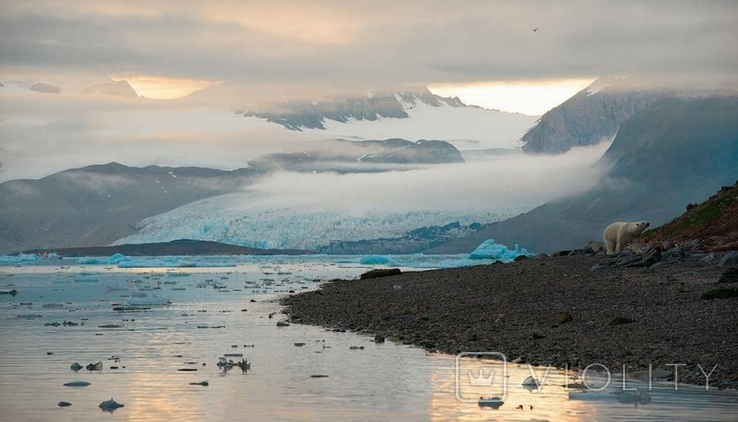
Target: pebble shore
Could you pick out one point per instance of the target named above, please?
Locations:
(570, 311)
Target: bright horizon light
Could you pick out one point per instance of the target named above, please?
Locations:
(162, 88)
(527, 97)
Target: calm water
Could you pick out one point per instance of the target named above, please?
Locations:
(379, 382)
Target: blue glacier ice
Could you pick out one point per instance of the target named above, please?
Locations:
(15, 259)
(491, 250)
(258, 220)
(375, 260)
(104, 260)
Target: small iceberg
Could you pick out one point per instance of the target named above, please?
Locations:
(110, 405)
(147, 301)
(77, 384)
(86, 280)
(530, 383)
(493, 402)
(635, 397)
(495, 251)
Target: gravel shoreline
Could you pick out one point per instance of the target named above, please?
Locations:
(548, 311)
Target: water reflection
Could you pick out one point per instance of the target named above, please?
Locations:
(381, 381)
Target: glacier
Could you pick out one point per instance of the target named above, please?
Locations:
(253, 220)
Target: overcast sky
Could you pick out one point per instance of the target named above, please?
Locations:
(520, 56)
(365, 44)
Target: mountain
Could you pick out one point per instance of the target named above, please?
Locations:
(343, 156)
(679, 151)
(45, 88)
(591, 116)
(296, 115)
(412, 114)
(119, 89)
(95, 205)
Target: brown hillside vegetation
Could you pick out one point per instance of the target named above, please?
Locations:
(712, 225)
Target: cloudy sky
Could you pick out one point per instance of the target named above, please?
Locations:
(485, 50)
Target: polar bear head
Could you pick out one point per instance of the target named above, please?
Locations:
(641, 226)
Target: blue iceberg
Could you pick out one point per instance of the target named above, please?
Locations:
(375, 260)
(496, 251)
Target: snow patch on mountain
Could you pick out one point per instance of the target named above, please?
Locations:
(466, 128)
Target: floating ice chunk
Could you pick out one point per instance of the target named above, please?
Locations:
(77, 384)
(491, 250)
(86, 280)
(110, 405)
(148, 301)
(589, 395)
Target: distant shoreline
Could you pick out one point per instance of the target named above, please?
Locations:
(616, 316)
(173, 248)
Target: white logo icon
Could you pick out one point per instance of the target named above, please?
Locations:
(481, 381)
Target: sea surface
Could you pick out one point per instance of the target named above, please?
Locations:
(222, 305)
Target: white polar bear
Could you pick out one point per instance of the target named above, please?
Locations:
(619, 234)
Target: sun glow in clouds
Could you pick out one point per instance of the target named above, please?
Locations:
(527, 97)
(159, 87)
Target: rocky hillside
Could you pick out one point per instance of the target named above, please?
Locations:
(677, 152)
(296, 115)
(95, 205)
(712, 225)
(591, 116)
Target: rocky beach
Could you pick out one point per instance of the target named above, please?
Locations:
(664, 308)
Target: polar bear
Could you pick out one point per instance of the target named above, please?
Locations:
(619, 234)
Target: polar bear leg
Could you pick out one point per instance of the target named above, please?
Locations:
(609, 243)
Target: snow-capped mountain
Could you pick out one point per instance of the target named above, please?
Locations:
(413, 114)
(252, 219)
(590, 117)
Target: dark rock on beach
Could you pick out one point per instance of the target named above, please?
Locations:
(549, 311)
(729, 276)
(384, 272)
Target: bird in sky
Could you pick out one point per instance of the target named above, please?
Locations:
(535, 29)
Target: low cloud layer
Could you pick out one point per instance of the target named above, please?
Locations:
(509, 181)
(43, 133)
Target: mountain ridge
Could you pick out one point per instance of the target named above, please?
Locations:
(679, 151)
